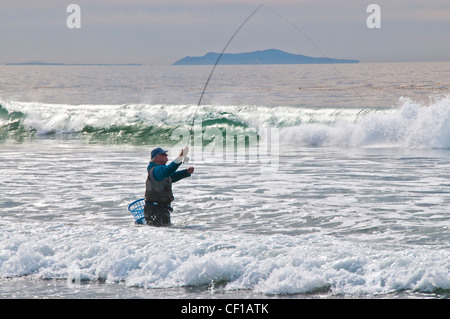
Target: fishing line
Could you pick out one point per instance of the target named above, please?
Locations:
(231, 39)
(301, 32)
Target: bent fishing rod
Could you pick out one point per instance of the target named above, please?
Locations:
(228, 43)
(217, 62)
(186, 159)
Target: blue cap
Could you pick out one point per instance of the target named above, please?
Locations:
(158, 151)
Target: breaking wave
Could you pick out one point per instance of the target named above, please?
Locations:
(409, 124)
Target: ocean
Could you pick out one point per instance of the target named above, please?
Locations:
(310, 182)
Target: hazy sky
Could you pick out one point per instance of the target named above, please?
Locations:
(163, 31)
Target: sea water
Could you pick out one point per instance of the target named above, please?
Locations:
(347, 196)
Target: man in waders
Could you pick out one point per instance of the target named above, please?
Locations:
(158, 187)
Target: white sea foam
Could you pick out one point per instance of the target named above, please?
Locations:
(409, 125)
(164, 258)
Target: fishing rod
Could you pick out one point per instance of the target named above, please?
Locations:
(231, 39)
(186, 159)
(234, 35)
(217, 62)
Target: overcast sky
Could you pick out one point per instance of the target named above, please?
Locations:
(163, 31)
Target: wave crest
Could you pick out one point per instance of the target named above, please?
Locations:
(409, 124)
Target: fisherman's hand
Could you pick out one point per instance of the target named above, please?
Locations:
(184, 151)
(190, 170)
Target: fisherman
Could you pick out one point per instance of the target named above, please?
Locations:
(158, 187)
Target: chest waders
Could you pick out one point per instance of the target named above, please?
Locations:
(158, 196)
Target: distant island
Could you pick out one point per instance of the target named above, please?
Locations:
(270, 56)
(48, 63)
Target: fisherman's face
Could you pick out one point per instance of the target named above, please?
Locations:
(161, 159)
